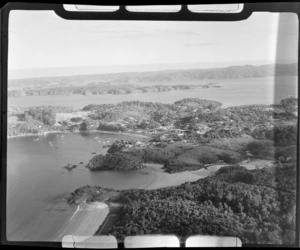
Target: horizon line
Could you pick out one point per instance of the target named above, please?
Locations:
(138, 71)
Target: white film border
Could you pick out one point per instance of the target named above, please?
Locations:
(148, 241)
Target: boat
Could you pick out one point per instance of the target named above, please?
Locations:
(70, 166)
(37, 139)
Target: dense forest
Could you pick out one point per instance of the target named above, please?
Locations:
(258, 206)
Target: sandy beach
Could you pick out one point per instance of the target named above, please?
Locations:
(159, 179)
(85, 221)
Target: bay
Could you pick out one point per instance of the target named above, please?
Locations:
(233, 92)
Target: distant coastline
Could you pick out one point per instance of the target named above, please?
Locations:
(143, 82)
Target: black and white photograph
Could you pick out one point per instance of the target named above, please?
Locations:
(124, 128)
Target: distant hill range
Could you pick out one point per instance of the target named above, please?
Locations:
(134, 82)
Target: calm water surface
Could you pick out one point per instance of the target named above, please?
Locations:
(37, 181)
(267, 90)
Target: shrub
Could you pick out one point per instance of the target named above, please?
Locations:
(76, 119)
(229, 158)
(257, 147)
(208, 158)
(43, 114)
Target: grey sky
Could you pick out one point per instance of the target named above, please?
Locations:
(40, 39)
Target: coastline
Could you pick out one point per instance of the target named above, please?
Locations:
(120, 133)
(37, 134)
(161, 179)
(85, 221)
(68, 132)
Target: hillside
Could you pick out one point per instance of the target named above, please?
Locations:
(258, 206)
(141, 82)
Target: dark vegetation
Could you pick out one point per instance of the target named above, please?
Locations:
(290, 105)
(76, 119)
(198, 157)
(281, 135)
(90, 194)
(174, 158)
(258, 206)
(111, 127)
(43, 114)
(117, 161)
(36, 119)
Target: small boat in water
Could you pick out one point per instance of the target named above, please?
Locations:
(37, 139)
(70, 166)
(51, 144)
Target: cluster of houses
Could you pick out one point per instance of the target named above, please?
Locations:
(162, 132)
(130, 144)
